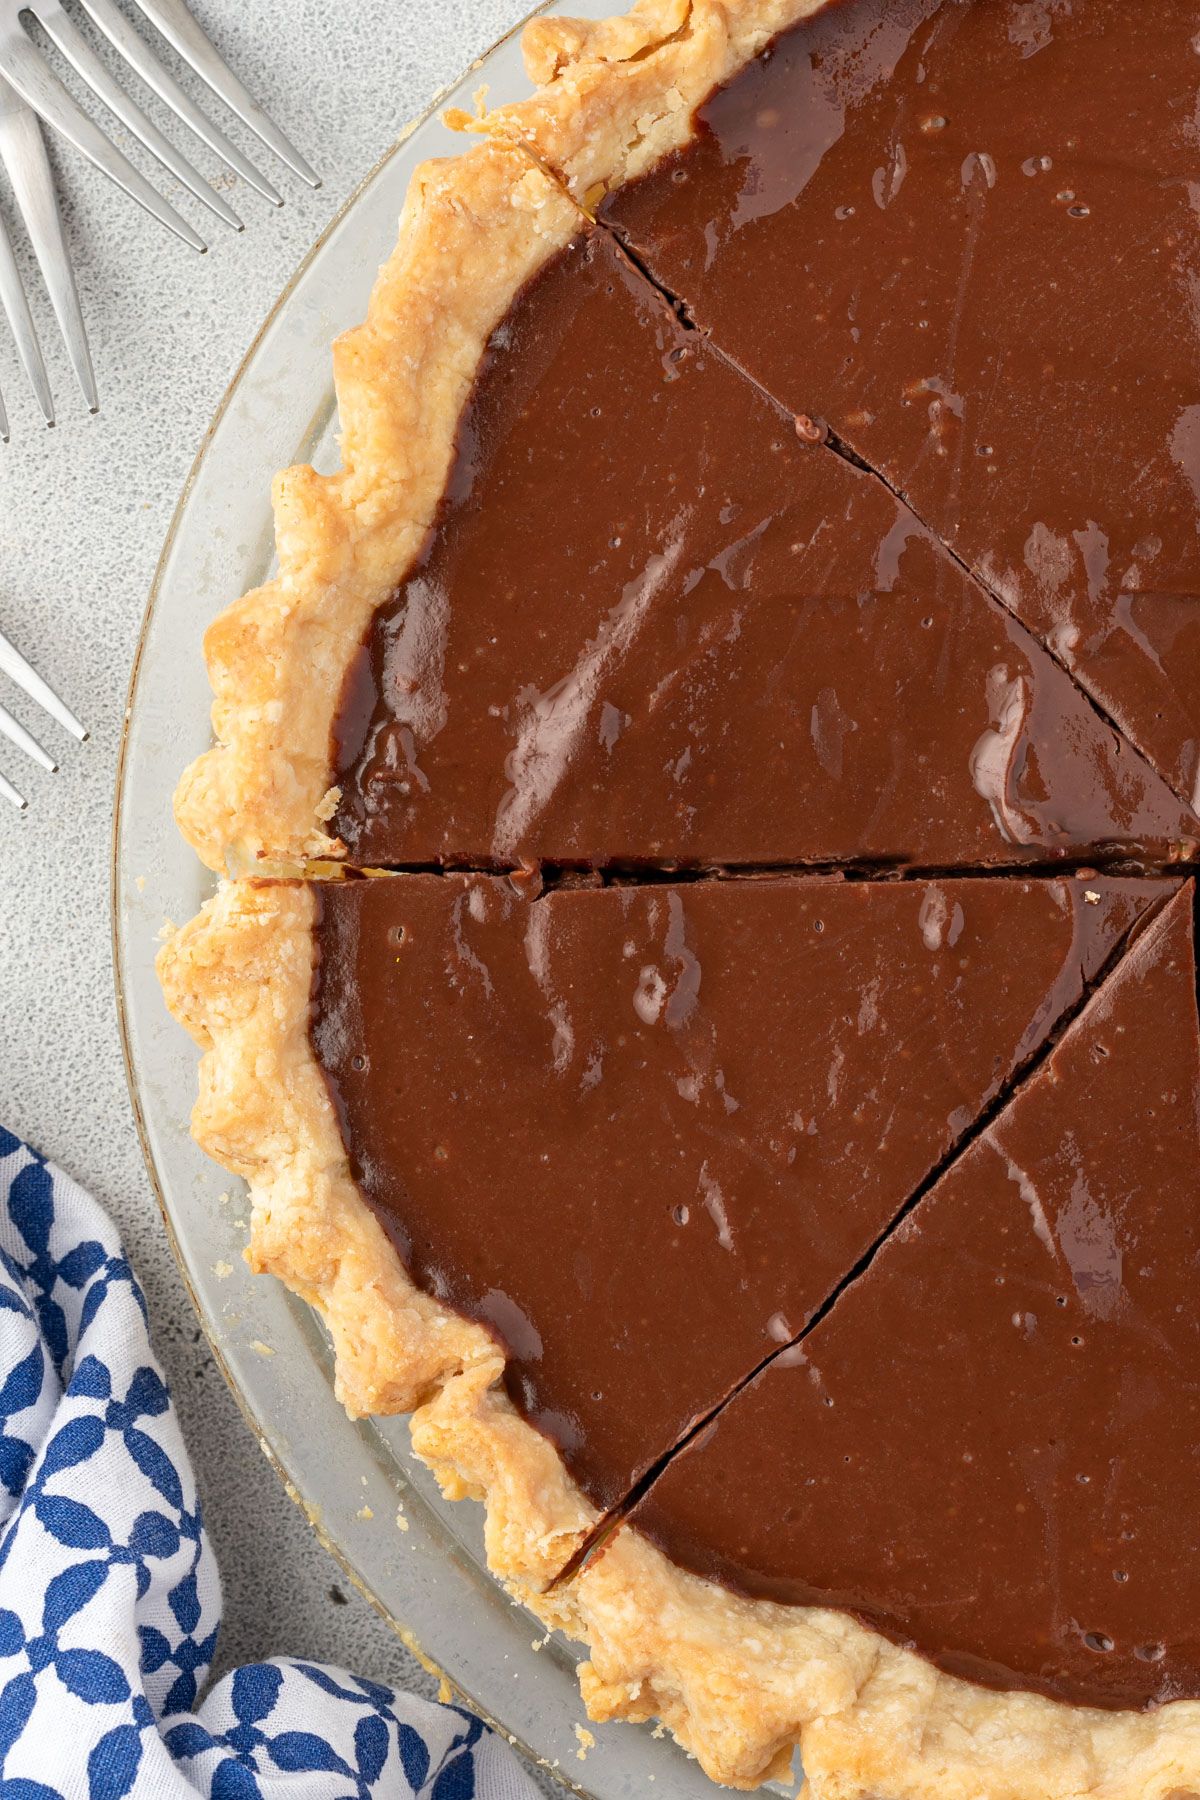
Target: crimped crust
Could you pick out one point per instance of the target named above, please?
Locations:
(612, 98)
(740, 1682)
(918, 1735)
(239, 978)
(473, 230)
(616, 95)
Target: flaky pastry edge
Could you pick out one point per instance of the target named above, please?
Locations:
(741, 1683)
(611, 98)
(473, 230)
(614, 96)
(239, 977)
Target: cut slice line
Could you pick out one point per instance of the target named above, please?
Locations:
(601, 1534)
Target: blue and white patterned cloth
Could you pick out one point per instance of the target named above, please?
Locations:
(110, 1600)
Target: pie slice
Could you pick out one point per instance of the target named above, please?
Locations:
(709, 1100)
(648, 623)
(965, 236)
(989, 1449)
(587, 1116)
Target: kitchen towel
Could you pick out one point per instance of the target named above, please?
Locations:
(110, 1601)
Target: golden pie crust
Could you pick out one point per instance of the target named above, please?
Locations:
(615, 96)
(740, 1683)
(474, 229)
(612, 98)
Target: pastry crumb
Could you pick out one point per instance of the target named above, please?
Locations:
(1091, 897)
(262, 1349)
(365, 1513)
(586, 1742)
(401, 1521)
(222, 1270)
(457, 118)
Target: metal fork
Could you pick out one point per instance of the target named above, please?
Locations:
(22, 62)
(24, 66)
(14, 665)
(23, 155)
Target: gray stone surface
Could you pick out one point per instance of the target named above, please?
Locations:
(83, 512)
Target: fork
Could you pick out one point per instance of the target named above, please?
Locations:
(22, 62)
(14, 665)
(23, 155)
(32, 88)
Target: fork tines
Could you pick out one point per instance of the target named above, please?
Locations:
(21, 61)
(23, 155)
(14, 665)
(28, 82)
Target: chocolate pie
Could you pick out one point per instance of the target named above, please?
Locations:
(702, 988)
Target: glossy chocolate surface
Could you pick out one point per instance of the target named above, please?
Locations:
(990, 1447)
(966, 235)
(654, 624)
(618, 1123)
(645, 1132)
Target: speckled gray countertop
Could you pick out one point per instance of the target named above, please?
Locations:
(83, 512)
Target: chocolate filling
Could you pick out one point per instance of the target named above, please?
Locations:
(991, 1444)
(652, 624)
(827, 1237)
(615, 1124)
(965, 235)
